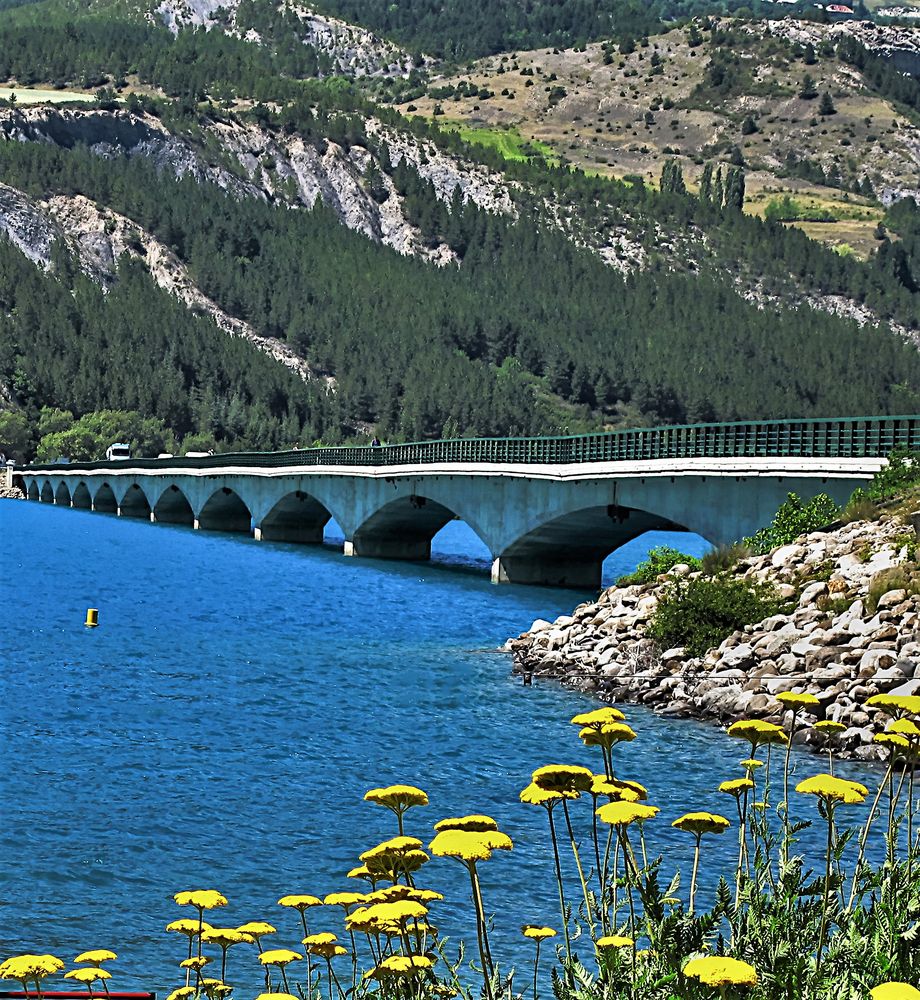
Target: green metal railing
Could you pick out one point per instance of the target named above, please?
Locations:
(846, 437)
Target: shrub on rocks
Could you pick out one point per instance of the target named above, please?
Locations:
(699, 614)
(794, 517)
(660, 560)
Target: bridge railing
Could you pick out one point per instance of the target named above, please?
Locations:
(846, 437)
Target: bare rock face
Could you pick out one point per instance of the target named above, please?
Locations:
(354, 51)
(843, 640)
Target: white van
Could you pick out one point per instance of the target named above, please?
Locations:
(116, 451)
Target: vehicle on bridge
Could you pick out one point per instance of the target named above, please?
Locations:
(116, 451)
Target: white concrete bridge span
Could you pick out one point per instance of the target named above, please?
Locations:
(550, 523)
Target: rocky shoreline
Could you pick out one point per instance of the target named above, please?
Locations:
(851, 630)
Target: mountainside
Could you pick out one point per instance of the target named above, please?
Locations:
(712, 90)
(395, 276)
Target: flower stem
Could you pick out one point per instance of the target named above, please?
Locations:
(480, 933)
(696, 865)
(565, 923)
(589, 913)
(536, 962)
(865, 834)
(827, 880)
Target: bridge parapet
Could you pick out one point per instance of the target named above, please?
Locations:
(846, 437)
(543, 521)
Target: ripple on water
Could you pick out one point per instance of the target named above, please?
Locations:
(222, 725)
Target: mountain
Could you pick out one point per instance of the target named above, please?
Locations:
(244, 246)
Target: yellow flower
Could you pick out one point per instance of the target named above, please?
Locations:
(751, 764)
(280, 956)
(699, 823)
(832, 789)
(893, 740)
(757, 732)
(256, 929)
(385, 917)
(472, 824)
(323, 937)
(24, 967)
(197, 962)
(96, 957)
(598, 717)
(301, 902)
(215, 988)
(802, 700)
(182, 993)
(226, 936)
(345, 899)
(533, 795)
(623, 813)
(397, 797)
(404, 965)
(829, 727)
(425, 895)
(614, 941)
(536, 933)
(894, 991)
(906, 727)
(736, 786)
(362, 871)
(188, 927)
(328, 949)
(87, 976)
(569, 780)
(469, 847)
(201, 899)
(395, 845)
(892, 703)
(618, 790)
(607, 735)
(714, 970)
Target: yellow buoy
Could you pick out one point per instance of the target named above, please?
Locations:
(92, 617)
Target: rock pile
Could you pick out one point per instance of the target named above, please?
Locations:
(852, 630)
(11, 493)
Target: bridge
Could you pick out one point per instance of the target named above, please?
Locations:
(548, 509)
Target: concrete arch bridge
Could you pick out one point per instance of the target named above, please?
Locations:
(548, 509)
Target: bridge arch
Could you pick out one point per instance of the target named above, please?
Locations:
(81, 497)
(173, 507)
(62, 494)
(404, 527)
(297, 517)
(224, 510)
(568, 550)
(104, 501)
(47, 492)
(34, 492)
(135, 503)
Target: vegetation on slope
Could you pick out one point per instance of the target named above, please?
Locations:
(423, 352)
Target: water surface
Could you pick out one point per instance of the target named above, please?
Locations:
(220, 727)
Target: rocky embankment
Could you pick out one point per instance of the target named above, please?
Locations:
(851, 630)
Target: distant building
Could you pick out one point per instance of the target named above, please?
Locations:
(838, 8)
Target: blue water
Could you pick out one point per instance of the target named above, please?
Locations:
(220, 727)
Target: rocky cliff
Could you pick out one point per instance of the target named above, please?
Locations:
(851, 630)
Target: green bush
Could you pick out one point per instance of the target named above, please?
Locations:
(723, 558)
(794, 518)
(698, 614)
(659, 561)
(901, 472)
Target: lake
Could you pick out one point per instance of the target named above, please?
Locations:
(220, 727)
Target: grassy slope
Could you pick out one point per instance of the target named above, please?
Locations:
(600, 125)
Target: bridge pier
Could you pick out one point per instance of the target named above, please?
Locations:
(577, 572)
(301, 534)
(408, 549)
